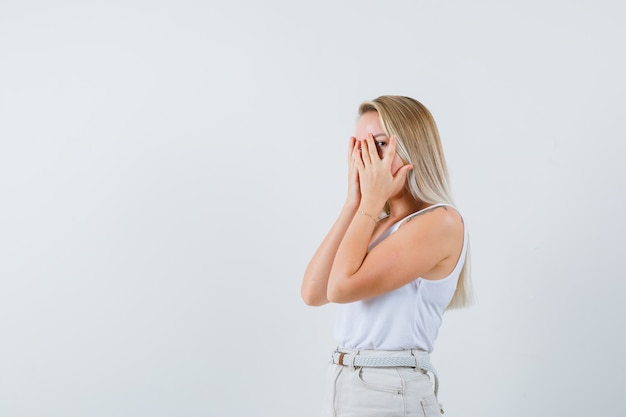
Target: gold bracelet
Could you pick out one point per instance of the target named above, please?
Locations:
(368, 215)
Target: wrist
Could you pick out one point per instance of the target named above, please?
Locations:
(375, 219)
(372, 209)
(351, 206)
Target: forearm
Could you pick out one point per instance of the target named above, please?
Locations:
(316, 275)
(351, 253)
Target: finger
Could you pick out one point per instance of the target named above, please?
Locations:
(401, 174)
(390, 154)
(355, 146)
(371, 147)
(356, 156)
(365, 152)
(360, 167)
(355, 151)
(351, 147)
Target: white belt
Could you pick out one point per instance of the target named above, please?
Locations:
(419, 360)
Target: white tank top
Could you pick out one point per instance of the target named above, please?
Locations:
(406, 318)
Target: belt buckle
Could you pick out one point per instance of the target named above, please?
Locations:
(340, 360)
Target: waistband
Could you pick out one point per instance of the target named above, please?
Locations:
(413, 358)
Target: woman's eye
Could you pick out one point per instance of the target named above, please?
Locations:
(380, 148)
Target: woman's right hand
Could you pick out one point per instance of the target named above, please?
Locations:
(354, 189)
(315, 280)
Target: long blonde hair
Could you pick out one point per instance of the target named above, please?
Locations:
(418, 144)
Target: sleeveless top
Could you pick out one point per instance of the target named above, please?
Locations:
(406, 318)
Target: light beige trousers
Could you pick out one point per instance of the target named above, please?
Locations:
(379, 392)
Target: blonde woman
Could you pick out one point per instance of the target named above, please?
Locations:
(394, 261)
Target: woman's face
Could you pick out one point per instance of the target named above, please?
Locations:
(370, 123)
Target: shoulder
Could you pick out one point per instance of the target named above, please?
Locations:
(440, 227)
(438, 232)
(438, 217)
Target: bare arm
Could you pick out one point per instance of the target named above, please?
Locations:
(315, 281)
(425, 247)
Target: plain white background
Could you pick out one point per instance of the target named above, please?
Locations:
(167, 168)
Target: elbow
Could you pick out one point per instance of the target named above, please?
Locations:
(313, 300)
(333, 298)
(336, 295)
(339, 289)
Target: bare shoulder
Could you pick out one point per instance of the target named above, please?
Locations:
(442, 218)
(439, 232)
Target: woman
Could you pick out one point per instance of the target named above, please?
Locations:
(394, 260)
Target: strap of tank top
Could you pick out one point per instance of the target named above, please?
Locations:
(397, 224)
(461, 261)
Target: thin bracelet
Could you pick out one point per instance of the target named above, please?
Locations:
(368, 215)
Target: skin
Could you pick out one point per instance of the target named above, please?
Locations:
(428, 246)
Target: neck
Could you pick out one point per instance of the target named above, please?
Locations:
(402, 205)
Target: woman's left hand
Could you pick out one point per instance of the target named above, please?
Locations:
(377, 182)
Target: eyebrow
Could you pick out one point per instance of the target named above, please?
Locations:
(380, 134)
